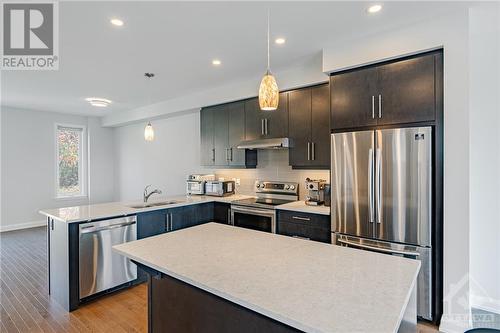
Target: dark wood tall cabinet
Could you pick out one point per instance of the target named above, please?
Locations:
(397, 92)
(309, 127)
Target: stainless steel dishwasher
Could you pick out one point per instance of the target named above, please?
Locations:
(100, 267)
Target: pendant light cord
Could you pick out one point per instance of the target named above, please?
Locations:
(268, 53)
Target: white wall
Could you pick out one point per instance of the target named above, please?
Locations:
(451, 32)
(484, 58)
(175, 153)
(28, 165)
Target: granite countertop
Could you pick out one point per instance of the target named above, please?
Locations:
(311, 286)
(300, 206)
(115, 209)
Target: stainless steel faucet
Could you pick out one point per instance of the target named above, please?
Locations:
(147, 195)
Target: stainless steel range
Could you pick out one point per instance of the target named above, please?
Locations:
(258, 213)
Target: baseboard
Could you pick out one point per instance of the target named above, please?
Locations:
(19, 226)
(485, 304)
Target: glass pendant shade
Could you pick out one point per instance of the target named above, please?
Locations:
(269, 94)
(149, 133)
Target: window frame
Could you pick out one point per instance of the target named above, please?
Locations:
(82, 162)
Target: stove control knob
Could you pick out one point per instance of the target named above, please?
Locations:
(287, 187)
(258, 185)
(292, 187)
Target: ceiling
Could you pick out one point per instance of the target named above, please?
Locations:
(177, 41)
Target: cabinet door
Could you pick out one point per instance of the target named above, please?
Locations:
(353, 99)
(151, 223)
(180, 218)
(221, 143)
(236, 116)
(207, 156)
(300, 127)
(222, 212)
(276, 122)
(254, 124)
(320, 125)
(407, 91)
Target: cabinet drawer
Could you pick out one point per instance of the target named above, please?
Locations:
(312, 220)
(301, 230)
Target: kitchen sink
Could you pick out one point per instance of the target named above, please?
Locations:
(154, 204)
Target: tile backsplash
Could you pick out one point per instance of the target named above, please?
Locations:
(272, 165)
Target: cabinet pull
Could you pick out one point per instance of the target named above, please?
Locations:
(213, 154)
(229, 216)
(171, 222)
(231, 156)
(373, 107)
(52, 224)
(313, 153)
(308, 151)
(265, 123)
(380, 106)
(167, 223)
(262, 126)
(300, 237)
(227, 155)
(301, 218)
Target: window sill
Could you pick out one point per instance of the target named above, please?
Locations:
(71, 197)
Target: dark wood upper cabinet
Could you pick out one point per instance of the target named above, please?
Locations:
(207, 149)
(309, 127)
(299, 109)
(236, 120)
(221, 137)
(407, 91)
(320, 126)
(352, 99)
(266, 124)
(398, 92)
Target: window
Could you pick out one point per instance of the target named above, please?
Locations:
(70, 162)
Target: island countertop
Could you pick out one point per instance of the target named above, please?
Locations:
(311, 286)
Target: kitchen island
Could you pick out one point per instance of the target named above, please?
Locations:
(218, 278)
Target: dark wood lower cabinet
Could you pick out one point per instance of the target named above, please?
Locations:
(175, 306)
(314, 227)
(222, 212)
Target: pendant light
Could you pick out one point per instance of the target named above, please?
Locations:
(149, 133)
(269, 93)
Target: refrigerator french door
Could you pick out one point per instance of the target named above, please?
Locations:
(382, 196)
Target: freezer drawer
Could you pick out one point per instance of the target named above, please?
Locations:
(100, 267)
(424, 254)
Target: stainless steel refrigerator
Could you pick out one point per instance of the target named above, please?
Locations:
(382, 197)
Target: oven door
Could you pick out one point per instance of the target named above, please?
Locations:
(254, 218)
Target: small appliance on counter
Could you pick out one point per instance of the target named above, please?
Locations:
(219, 188)
(195, 184)
(316, 191)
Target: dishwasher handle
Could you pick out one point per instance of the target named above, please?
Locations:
(90, 229)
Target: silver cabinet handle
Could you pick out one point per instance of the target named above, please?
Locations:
(301, 218)
(380, 249)
(167, 222)
(313, 151)
(378, 183)
(265, 123)
(300, 237)
(370, 186)
(213, 154)
(231, 158)
(308, 151)
(262, 126)
(380, 106)
(373, 107)
(227, 154)
(171, 222)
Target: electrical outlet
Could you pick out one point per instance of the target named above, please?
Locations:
(237, 181)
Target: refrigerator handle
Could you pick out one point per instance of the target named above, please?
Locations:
(371, 202)
(378, 183)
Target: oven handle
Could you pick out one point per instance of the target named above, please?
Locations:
(253, 211)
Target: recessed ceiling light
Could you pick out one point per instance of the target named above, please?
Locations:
(98, 102)
(280, 40)
(117, 22)
(374, 9)
(216, 62)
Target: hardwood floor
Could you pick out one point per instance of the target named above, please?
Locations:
(26, 307)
